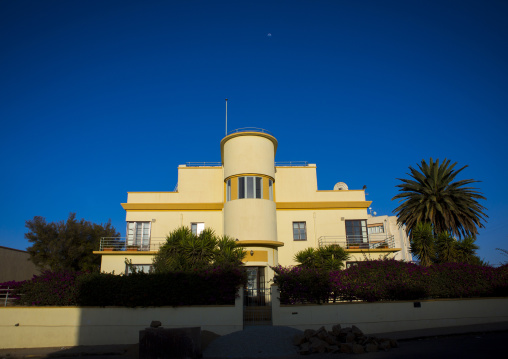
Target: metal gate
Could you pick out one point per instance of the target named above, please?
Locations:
(257, 306)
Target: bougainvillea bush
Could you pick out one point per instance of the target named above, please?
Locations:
(49, 288)
(207, 286)
(302, 284)
(387, 280)
(380, 280)
(462, 280)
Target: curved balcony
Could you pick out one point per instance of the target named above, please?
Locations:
(250, 129)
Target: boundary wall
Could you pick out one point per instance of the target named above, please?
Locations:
(37, 327)
(385, 317)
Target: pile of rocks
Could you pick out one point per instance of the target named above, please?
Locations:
(340, 340)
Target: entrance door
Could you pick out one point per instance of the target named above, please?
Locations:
(257, 303)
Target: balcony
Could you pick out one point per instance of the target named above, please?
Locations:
(109, 244)
(372, 241)
(249, 129)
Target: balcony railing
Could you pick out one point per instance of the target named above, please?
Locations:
(203, 164)
(292, 164)
(249, 129)
(372, 241)
(124, 244)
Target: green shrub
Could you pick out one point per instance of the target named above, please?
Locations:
(302, 285)
(212, 285)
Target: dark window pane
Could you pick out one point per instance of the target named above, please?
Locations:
(258, 187)
(250, 187)
(299, 231)
(241, 187)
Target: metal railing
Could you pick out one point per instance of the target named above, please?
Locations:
(203, 164)
(277, 164)
(6, 296)
(292, 164)
(123, 244)
(257, 307)
(250, 129)
(371, 241)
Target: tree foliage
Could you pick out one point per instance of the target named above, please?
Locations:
(432, 196)
(184, 251)
(431, 248)
(66, 245)
(328, 258)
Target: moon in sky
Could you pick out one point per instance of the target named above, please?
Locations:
(269, 34)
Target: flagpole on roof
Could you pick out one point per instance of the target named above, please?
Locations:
(226, 117)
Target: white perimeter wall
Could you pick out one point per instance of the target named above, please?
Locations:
(388, 317)
(72, 326)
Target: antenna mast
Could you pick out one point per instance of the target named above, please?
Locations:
(226, 117)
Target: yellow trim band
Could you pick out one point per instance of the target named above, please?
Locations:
(199, 167)
(125, 253)
(173, 206)
(259, 243)
(249, 175)
(323, 205)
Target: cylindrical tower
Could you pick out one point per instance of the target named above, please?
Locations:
(249, 177)
(249, 203)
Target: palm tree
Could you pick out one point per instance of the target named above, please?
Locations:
(228, 252)
(184, 251)
(305, 257)
(446, 248)
(432, 196)
(422, 243)
(466, 250)
(327, 258)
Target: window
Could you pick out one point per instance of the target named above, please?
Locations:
(131, 268)
(351, 264)
(356, 233)
(376, 228)
(197, 228)
(250, 187)
(138, 234)
(228, 190)
(270, 185)
(299, 231)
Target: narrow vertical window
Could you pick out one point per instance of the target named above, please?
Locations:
(270, 185)
(131, 226)
(250, 187)
(259, 187)
(228, 190)
(241, 187)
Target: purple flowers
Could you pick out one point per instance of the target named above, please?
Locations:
(390, 280)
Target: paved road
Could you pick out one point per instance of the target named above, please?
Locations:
(491, 345)
(469, 346)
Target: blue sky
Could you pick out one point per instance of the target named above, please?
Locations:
(99, 98)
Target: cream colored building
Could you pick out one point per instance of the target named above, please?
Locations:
(388, 227)
(272, 209)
